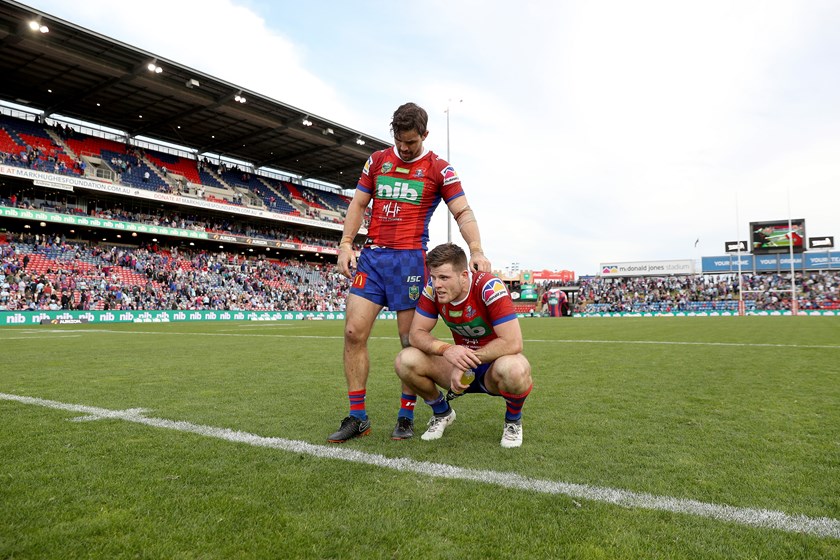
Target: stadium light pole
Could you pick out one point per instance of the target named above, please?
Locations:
(742, 309)
(448, 213)
(794, 306)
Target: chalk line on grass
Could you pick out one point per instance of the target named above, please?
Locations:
(761, 518)
(528, 340)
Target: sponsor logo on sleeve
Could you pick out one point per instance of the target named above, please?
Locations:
(429, 291)
(493, 290)
(449, 175)
(368, 163)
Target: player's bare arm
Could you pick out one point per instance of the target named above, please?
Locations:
(422, 338)
(509, 342)
(352, 224)
(468, 225)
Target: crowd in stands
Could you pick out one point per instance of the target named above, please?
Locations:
(43, 273)
(814, 290)
(180, 220)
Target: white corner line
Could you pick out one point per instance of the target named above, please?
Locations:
(760, 518)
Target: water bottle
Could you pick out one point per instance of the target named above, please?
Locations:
(466, 378)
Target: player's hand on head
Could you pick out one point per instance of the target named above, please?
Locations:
(480, 263)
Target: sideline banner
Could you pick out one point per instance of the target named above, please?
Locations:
(646, 268)
(807, 313)
(164, 316)
(813, 260)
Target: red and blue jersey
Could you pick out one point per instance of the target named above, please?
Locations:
(472, 320)
(405, 195)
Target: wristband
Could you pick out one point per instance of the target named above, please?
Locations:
(441, 348)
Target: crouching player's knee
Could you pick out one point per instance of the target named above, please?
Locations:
(514, 373)
(407, 362)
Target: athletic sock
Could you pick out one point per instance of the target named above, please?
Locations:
(440, 406)
(357, 403)
(514, 405)
(407, 403)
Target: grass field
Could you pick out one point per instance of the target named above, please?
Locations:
(741, 412)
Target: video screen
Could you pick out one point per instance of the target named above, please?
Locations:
(778, 236)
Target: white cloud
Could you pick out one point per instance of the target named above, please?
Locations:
(217, 37)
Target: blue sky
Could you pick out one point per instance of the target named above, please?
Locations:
(589, 132)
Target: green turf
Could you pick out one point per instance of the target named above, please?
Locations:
(739, 410)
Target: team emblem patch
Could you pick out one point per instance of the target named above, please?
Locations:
(493, 290)
(387, 166)
(413, 292)
(359, 280)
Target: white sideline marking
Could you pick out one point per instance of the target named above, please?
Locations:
(41, 337)
(553, 341)
(688, 343)
(762, 518)
(118, 414)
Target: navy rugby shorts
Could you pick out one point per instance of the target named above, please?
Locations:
(392, 278)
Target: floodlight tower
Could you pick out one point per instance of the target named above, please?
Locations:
(449, 214)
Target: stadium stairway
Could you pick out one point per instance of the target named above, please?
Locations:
(282, 204)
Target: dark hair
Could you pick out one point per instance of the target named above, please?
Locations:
(447, 253)
(408, 117)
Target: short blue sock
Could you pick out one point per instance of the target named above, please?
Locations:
(439, 406)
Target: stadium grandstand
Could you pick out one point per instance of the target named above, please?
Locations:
(128, 181)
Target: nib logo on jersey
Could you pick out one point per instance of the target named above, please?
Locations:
(476, 328)
(401, 190)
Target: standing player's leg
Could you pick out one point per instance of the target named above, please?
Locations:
(403, 275)
(360, 317)
(405, 417)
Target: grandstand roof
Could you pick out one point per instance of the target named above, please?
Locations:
(75, 72)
